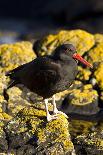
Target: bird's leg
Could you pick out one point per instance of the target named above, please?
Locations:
(49, 117)
(55, 110)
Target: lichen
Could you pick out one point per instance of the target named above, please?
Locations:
(99, 75)
(95, 55)
(78, 127)
(32, 122)
(13, 55)
(83, 74)
(4, 116)
(93, 142)
(29, 128)
(83, 96)
(98, 38)
(57, 131)
(82, 40)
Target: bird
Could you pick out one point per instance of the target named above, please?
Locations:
(48, 75)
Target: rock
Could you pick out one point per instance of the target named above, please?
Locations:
(4, 116)
(81, 101)
(83, 74)
(98, 56)
(13, 55)
(3, 141)
(30, 132)
(98, 75)
(82, 40)
(101, 96)
(98, 38)
(25, 129)
(89, 143)
(22, 97)
(78, 127)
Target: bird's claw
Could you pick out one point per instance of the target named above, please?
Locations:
(60, 112)
(51, 117)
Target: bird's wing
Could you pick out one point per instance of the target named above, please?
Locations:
(45, 74)
(14, 70)
(40, 72)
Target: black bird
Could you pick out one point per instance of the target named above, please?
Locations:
(48, 75)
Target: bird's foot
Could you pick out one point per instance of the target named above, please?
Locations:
(56, 112)
(51, 117)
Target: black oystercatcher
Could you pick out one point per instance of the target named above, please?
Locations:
(49, 74)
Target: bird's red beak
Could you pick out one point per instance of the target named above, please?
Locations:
(78, 57)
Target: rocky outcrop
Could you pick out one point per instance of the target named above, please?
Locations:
(29, 133)
(23, 125)
(82, 100)
(91, 143)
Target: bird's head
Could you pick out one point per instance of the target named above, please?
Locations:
(68, 50)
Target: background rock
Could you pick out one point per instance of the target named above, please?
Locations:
(82, 101)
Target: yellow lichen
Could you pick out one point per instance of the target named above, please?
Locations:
(4, 115)
(99, 75)
(62, 94)
(78, 127)
(96, 54)
(83, 74)
(79, 95)
(92, 140)
(82, 40)
(13, 55)
(32, 111)
(98, 38)
(56, 131)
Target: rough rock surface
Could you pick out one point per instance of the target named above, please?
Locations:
(13, 55)
(98, 75)
(82, 101)
(82, 40)
(23, 125)
(29, 133)
(91, 143)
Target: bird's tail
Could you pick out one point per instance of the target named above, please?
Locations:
(11, 84)
(13, 80)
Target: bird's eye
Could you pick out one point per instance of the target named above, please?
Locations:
(70, 50)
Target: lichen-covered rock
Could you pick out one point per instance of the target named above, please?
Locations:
(4, 116)
(98, 74)
(78, 127)
(82, 101)
(82, 40)
(13, 55)
(30, 132)
(101, 96)
(89, 144)
(95, 55)
(98, 38)
(83, 74)
(20, 97)
(3, 141)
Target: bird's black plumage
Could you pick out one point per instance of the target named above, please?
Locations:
(49, 74)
